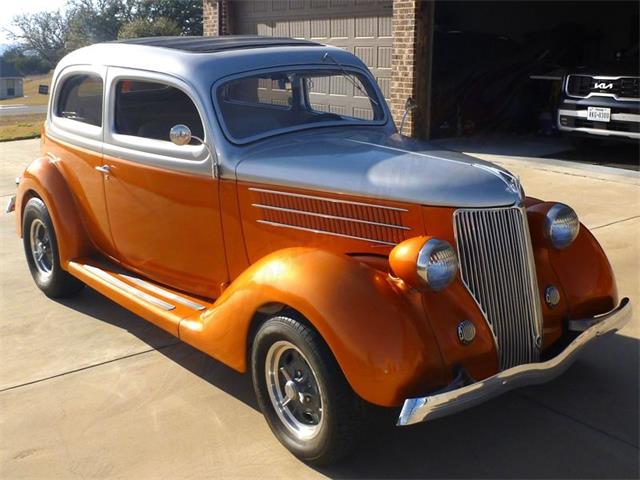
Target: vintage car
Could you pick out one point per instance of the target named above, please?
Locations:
(253, 197)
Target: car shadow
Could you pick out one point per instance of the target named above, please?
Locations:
(581, 425)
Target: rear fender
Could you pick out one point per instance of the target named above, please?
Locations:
(44, 180)
(374, 326)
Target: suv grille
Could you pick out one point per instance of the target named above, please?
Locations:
(497, 269)
(583, 85)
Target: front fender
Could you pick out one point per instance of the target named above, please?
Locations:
(583, 270)
(375, 328)
(42, 179)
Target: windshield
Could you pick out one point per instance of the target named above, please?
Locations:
(260, 105)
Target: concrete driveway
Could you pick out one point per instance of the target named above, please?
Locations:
(90, 390)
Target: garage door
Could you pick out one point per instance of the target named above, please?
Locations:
(362, 27)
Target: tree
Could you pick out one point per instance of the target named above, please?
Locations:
(143, 27)
(94, 21)
(51, 35)
(26, 63)
(186, 13)
(43, 33)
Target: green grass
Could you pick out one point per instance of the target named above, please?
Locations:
(30, 88)
(16, 127)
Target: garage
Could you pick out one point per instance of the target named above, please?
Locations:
(363, 28)
(488, 76)
(499, 66)
(499, 73)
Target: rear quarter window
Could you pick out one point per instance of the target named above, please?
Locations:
(80, 99)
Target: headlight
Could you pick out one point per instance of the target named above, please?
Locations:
(561, 225)
(437, 264)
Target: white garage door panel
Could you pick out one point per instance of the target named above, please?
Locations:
(362, 27)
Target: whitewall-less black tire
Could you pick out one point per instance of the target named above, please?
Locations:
(41, 250)
(302, 392)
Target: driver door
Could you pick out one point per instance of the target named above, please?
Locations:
(162, 199)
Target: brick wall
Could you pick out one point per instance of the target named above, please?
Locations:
(210, 18)
(403, 64)
(215, 18)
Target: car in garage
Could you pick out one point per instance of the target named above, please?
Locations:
(253, 197)
(603, 101)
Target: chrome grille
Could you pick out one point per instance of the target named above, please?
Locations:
(497, 268)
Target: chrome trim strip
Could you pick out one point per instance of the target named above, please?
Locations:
(599, 131)
(326, 199)
(331, 217)
(533, 281)
(162, 292)
(107, 277)
(461, 395)
(304, 229)
(620, 117)
(599, 94)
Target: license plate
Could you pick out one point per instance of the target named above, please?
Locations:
(599, 114)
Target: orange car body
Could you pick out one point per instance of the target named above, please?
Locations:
(210, 240)
(391, 341)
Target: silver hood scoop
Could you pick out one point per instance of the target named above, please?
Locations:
(370, 164)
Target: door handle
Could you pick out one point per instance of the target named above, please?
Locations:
(104, 169)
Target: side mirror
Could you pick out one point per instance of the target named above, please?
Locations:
(409, 106)
(180, 134)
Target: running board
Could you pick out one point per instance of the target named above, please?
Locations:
(164, 293)
(111, 279)
(159, 305)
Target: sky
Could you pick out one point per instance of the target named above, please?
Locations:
(11, 8)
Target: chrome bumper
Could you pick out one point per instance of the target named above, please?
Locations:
(461, 394)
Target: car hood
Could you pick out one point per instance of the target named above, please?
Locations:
(376, 165)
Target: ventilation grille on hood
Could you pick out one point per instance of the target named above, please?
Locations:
(342, 218)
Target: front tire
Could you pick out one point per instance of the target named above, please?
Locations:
(41, 250)
(302, 392)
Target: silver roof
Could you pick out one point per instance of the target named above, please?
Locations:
(204, 68)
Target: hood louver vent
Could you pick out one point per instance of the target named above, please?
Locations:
(361, 221)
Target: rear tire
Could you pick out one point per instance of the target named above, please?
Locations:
(302, 392)
(41, 250)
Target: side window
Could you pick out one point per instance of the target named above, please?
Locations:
(80, 99)
(150, 109)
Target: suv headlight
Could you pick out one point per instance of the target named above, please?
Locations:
(437, 264)
(561, 225)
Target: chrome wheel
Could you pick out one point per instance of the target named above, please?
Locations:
(294, 390)
(41, 249)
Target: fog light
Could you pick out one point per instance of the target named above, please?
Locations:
(466, 332)
(552, 296)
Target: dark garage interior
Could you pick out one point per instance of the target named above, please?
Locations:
(498, 68)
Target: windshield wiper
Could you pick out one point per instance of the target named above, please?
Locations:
(346, 75)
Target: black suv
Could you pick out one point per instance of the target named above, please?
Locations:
(603, 100)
